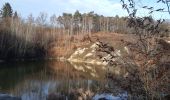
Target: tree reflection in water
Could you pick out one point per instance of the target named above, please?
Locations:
(55, 79)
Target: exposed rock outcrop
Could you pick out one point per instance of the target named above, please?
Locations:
(86, 55)
(89, 55)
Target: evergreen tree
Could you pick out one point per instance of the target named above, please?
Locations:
(15, 16)
(77, 15)
(77, 20)
(6, 10)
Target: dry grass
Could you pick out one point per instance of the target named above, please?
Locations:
(65, 46)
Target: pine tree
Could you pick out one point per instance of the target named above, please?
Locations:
(6, 10)
(15, 16)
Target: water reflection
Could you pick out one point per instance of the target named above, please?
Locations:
(13, 73)
(37, 80)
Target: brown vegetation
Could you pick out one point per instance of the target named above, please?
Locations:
(148, 54)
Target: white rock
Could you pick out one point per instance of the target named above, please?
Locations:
(81, 51)
(108, 56)
(126, 49)
(95, 45)
(92, 62)
(88, 55)
(93, 51)
(79, 68)
(118, 53)
(98, 63)
(105, 63)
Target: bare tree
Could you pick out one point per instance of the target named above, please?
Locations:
(41, 19)
(148, 54)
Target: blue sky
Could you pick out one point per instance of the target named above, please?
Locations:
(104, 7)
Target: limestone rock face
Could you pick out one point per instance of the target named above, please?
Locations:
(86, 55)
(89, 55)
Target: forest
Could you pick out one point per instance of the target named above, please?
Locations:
(32, 37)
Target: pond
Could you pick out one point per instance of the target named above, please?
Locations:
(42, 80)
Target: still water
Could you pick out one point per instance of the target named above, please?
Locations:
(39, 80)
